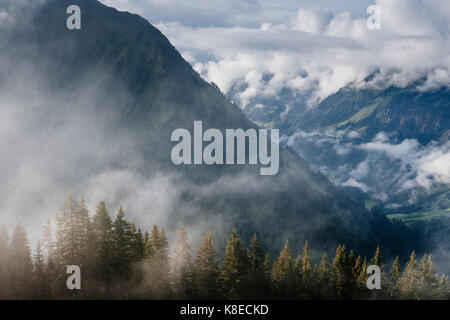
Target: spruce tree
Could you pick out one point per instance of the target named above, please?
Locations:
(73, 228)
(428, 280)
(41, 280)
(4, 270)
(20, 264)
(157, 265)
(394, 279)
(102, 231)
(341, 273)
(121, 247)
(137, 243)
(258, 280)
(409, 281)
(323, 290)
(48, 245)
(233, 278)
(206, 270)
(307, 275)
(283, 279)
(182, 267)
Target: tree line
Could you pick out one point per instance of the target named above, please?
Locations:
(120, 261)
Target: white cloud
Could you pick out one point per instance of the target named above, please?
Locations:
(312, 20)
(317, 52)
(353, 183)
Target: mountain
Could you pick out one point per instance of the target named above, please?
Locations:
(99, 105)
(410, 113)
(384, 142)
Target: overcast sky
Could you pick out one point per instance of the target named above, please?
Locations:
(314, 47)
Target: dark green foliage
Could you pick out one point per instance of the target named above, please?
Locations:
(4, 253)
(102, 242)
(124, 263)
(283, 278)
(20, 276)
(206, 270)
(157, 266)
(258, 271)
(234, 276)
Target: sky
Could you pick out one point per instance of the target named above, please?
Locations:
(312, 47)
(253, 50)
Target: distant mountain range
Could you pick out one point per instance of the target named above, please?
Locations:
(389, 145)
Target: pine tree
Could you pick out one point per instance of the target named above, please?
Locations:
(137, 243)
(83, 234)
(306, 281)
(20, 264)
(102, 230)
(283, 279)
(206, 270)
(258, 280)
(267, 276)
(358, 278)
(409, 281)
(233, 277)
(378, 261)
(4, 270)
(48, 245)
(394, 279)
(323, 289)
(73, 227)
(157, 265)
(428, 280)
(341, 273)
(41, 280)
(121, 248)
(182, 267)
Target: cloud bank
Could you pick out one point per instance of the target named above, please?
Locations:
(317, 52)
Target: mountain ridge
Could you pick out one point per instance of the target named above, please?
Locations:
(125, 75)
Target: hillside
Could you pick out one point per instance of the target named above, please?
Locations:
(117, 89)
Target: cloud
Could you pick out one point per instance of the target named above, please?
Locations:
(353, 183)
(194, 12)
(381, 167)
(312, 20)
(316, 52)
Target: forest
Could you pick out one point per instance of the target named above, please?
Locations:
(118, 260)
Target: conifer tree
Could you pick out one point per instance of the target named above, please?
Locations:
(48, 245)
(378, 261)
(233, 277)
(137, 243)
(258, 280)
(20, 264)
(323, 290)
(268, 275)
(358, 278)
(428, 279)
(121, 247)
(182, 267)
(41, 280)
(341, 273)
(394, 279)
(73, 227)
(4, 270)
(306, 273)
(157, 265)
(283, 279)
(102, 229)
(206, 270)
(409, 280)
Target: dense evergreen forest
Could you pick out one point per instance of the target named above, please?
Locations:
(120, 261)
